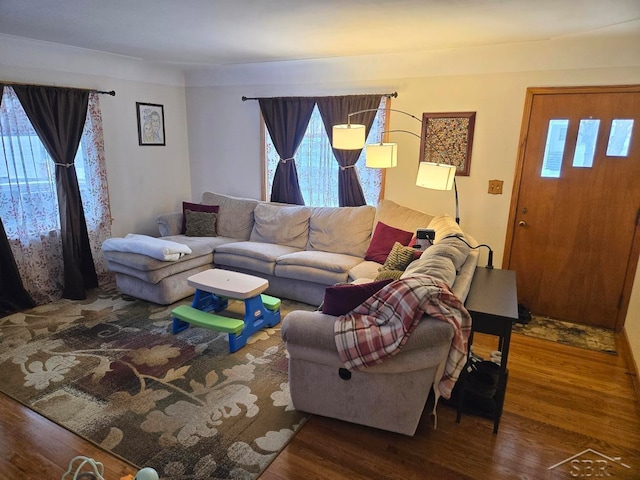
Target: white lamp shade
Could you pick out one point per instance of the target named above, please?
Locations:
(381, 155)
(348, 137)
(435, 176)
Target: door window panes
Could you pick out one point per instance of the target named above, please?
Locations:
(619, 137)
(554, 148)
(586, 143)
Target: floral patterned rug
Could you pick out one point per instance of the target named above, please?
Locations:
(109, 369)
(584, 336)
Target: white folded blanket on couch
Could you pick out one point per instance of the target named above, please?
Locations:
(157, 248)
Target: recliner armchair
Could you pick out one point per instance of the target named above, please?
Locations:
(391, 395)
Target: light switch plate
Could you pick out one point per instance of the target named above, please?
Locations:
(495, 187)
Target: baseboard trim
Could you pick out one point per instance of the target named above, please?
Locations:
(625, 350)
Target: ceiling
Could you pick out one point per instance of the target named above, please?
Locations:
(199, 33)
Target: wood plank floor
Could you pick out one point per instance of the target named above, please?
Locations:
(560, 401)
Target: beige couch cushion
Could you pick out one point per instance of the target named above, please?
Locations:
(235, 217)
(331, 262)
(444, 226)
(282, 225)
(401, 217)
(319, 267)
(344, 230)
(254, 256)
(440, 267)
(366, 270)
(453, 248)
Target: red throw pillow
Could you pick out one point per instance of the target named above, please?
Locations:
(341, 299)
(382, 242)
(196, 207)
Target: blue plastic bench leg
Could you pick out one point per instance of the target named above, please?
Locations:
(208, 302)
(256, 317)
(178, 325)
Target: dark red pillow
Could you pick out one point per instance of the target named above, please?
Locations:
(196, 207)
(341, 299)
(382, 242)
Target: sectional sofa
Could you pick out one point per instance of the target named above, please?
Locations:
(300, 250)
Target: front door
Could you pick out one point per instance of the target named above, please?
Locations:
(573, 237)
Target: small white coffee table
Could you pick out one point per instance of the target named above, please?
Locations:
(213, 289)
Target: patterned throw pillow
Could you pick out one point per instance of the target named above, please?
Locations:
(200, 224)
(399, 257)
(196, 207)
(389, 275)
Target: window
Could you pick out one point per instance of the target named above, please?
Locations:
(317, 167)
(29, 201)
(27, 182)
(619, 137)
(586, 142)
(554, 148)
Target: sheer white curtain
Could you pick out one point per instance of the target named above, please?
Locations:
(92, 178)
(29, 204)
(318, 169)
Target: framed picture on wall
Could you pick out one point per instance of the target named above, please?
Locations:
(150, 124)
(447, 138)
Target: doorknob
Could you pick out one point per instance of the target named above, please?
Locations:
(522, 223)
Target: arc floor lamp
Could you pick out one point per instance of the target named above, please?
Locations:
(432, 175)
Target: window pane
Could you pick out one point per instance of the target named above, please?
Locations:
(28, 199)
(554, 148)
(619, 137)
(586, 143)
(316, 165)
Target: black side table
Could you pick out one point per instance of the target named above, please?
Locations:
(492, 303)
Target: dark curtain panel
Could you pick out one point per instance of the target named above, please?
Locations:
(13, 296)
(334, 111)
(286, 119)
(58, 116)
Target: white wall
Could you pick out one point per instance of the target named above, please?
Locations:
(143, 181)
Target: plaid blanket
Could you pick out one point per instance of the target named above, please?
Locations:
(379, 327)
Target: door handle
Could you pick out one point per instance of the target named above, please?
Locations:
(522, 223)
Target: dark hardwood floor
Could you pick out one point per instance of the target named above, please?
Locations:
(560, 401)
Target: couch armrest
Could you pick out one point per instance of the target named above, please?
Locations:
(314, 329)
(169, 224)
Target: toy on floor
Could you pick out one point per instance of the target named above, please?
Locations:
(89, 469)
(147, 473)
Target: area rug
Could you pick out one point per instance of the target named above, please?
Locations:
(583, 336)
(109, 369)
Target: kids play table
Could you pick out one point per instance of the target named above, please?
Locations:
(214, 288)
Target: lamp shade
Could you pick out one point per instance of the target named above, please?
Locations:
(381, 155)
(348, 137)
(435, 176)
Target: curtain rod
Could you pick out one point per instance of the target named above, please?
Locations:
(388, 95)
(101, 92)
